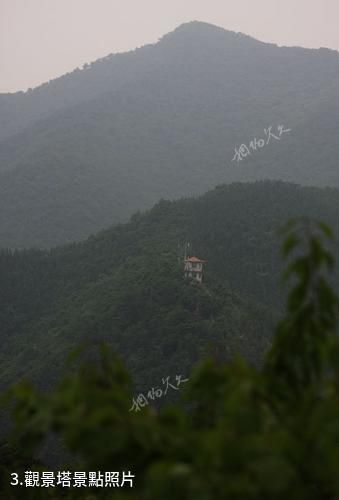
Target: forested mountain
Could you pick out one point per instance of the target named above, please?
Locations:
(125, 285)
(163, 121)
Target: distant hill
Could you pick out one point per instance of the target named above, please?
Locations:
(125, 286)
(163, 121)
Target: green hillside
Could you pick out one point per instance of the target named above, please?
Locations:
(238, 432)
(125, 285)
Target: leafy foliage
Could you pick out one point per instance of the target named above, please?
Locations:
(246, 433)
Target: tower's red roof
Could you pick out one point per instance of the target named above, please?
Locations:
(195, 259)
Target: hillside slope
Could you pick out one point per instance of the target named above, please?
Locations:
(125, 286)
(94, 146)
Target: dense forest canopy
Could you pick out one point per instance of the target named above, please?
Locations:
(125, 285)
(242, 432)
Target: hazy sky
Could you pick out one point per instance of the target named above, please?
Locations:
(42, 39)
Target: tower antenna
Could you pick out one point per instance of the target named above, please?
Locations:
(187, 244)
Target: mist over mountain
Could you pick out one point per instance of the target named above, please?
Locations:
(91, 148)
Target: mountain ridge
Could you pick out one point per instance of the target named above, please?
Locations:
(164, 124)
(195, 27)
